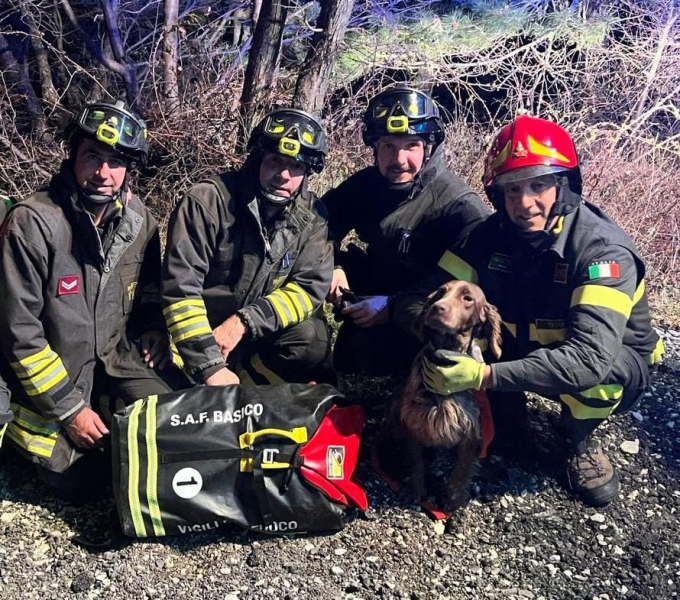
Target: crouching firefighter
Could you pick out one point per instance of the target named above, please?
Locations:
(80, 304)
(5, 410)
(248, 263)
(569, 285)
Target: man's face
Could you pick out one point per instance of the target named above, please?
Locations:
(281, 175)
(528, 202)
(99, 169)
(400, 157)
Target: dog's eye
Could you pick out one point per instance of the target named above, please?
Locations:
(468, 298)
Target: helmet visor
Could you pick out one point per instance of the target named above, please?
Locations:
(294, 128)
(411, 103)
(526, 173)
(113, 127)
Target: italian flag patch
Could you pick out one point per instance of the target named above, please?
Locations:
(609, 269)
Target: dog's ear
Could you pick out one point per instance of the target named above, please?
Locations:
(492, 329)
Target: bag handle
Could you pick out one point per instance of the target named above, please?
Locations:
(297, 435)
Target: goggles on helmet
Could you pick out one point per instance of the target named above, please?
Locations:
(115, 126)
(292, 133)
(294, 130)
(403, 103)
(402, 111)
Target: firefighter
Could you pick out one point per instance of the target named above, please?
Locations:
(569, 285)
(248, 263)
(79, 287)
(5, 410)
(405, 209)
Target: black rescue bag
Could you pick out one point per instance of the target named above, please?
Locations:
(278, 459)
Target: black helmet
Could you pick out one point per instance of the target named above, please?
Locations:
(293, 133)
(113, 124)
(401, 110)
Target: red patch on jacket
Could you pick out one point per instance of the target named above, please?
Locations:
(69, 285)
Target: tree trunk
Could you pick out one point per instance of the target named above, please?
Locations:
(262, 62)
(170, 52)
(49, 92)
(314, 79)
(18, 87)
(127, 72)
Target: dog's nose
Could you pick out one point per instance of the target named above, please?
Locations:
(438, 308)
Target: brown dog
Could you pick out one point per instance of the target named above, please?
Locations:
(452, 318)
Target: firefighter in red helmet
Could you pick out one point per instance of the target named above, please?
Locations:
(569, 285)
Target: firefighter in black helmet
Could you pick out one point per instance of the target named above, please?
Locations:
(79, 292)
(405, 209)
(248, 263)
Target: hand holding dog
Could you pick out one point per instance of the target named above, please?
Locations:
(369, 312)
(462, 373)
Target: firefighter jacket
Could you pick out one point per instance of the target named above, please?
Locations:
(405, 234)
(65, 304)
(567, 307)
(5, 411)
(220, 260)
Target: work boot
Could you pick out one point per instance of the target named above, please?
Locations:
(593, 477)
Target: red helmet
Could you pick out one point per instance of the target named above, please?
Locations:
(529, 147)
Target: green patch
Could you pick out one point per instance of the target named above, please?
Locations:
(501, 262)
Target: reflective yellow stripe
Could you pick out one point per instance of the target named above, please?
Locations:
(283, 308)
(546, 336)
(27, 362)
(606, 297)
(187, 323)
(457, 267)
(305, 296)
(582, 411)
(181, 316)
(192, 333)
(295, 300)
(288, 304)
(133, 470)
(657, 354)
(37, 366)
(152, 467)
(2, 433)
(183, 303)
(279, 309)
(57, 374)
(269, 375)
(512, 328)
(34, 422)
(606, 392)
(35, 444)
(639, 292)
(293, 304)
(40, 372)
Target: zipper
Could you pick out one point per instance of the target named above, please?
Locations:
(405, 242)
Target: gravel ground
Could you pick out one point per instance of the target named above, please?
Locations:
(522, 537)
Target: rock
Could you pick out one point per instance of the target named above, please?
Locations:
(254, 559)
(630, 447)
(336, 571)
(597, 518)
(82, 582)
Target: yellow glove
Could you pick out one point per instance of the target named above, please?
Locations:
(456, 373)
